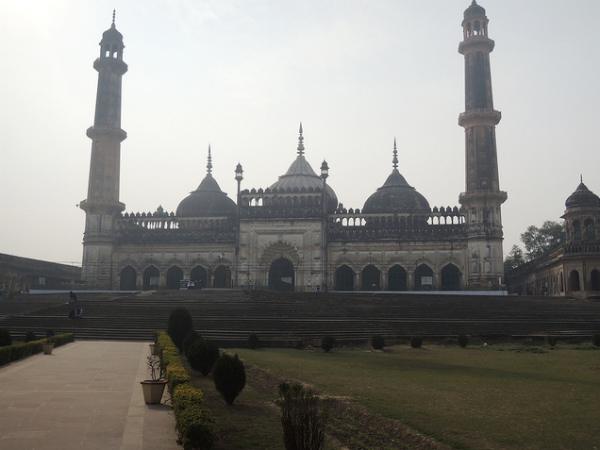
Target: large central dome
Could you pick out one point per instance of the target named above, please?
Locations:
(208, 200)
(301, 177)
(396, 196)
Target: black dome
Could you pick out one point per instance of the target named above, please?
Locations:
(396, 196)
(582, 197)
(112, 35)
(208, 200)
(474, 11)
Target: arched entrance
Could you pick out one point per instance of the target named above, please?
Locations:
(281, 275)
(574, 281)
(221, 277)
(595, 280)
(397, 279)
(128, 279)
(344, 279)
(174, 276)
(423, 278)
(450, 278)
(151, 279)
(199, 273)
(371, 278)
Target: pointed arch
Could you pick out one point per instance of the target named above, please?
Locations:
(595, 280)
(151, 278)
(450, 278)
(344, 278)
(174, 276)
(199, 273)
(397, 278)
(221, 277)
(371, 278)
(281, 275)
(574, 281)
(423, 278)
(128, 278)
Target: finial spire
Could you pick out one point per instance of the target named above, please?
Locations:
(581, 177)
(395, 160)
(209, 165)
(114, 13)
(300, 142)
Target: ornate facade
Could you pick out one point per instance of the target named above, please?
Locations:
(574, 269)
(294, 235)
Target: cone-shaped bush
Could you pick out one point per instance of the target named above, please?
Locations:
(378, 342)
(180, 324)
(202, 355)
(463, 340)
(253, 341)
(596, 339)
(30, 336)
(5, 338)
(190, 338)
(229, 376)
(416, 341)
(327, 343)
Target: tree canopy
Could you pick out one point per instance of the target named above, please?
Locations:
(537, 241)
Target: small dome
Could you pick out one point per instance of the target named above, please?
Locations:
(396, 196)
(474, 11)
(112, 35)
(300, 175)
(582, 197)
(208, 200)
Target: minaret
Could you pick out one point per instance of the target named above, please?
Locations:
(482, 198)
(102, 204)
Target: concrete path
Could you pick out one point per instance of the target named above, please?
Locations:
(86, 395)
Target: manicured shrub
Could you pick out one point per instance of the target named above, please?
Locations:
(190, 338)
(229, 376)
(194, 422)
(416, 341)
(327, 343)
(5, 338)
(180, 324)
(552, 341)
(30, 336)
(378, 342)
(463, 340)
(596, 339)
(303, 424)
(253, 341)
(202, 355)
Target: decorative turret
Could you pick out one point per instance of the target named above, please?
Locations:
(582, 215)
(482, 198)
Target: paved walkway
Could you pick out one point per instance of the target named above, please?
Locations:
(86, 395)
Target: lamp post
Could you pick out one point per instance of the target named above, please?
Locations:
(239, 176)
(324, 175)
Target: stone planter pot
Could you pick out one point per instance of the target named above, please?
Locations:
(153, 390)
(47, 348)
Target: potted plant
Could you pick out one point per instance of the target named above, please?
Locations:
(49, 344)
(153, 389)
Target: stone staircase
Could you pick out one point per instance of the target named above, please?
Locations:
(228, 316)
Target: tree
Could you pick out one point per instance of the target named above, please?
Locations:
(546, 238)
(202, 355)
(303, 423)
(514, 259)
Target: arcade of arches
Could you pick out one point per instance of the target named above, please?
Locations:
(396, 278)
(219, 278)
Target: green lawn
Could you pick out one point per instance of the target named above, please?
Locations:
(473, 398)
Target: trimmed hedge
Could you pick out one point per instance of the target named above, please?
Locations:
(194, 422)
(15, 352)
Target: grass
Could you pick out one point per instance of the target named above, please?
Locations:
(473, 398)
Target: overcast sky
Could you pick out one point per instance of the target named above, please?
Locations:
(241, 76)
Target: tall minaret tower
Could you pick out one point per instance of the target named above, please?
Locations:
(482, 198)
(102, 203)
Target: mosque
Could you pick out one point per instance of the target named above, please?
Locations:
(294, 234)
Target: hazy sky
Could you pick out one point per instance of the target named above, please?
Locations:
(241, 76)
